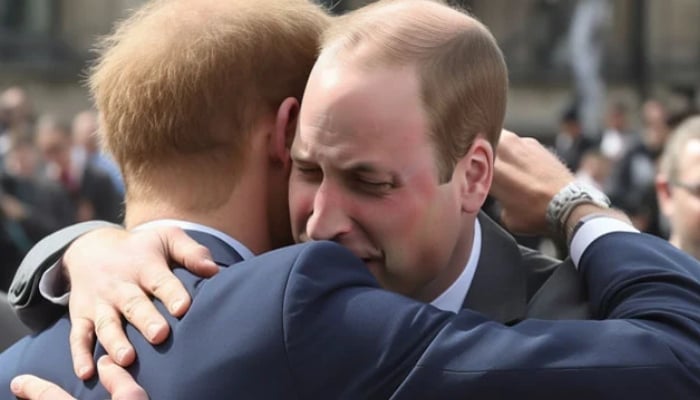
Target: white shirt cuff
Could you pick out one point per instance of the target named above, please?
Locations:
(52, 285)
(592, 230)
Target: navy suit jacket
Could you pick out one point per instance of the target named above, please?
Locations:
(511, 282)
(310, 322)
(11, 329)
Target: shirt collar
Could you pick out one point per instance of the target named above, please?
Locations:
(453, 297)
(242, 250)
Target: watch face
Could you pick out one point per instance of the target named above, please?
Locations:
(568, 198)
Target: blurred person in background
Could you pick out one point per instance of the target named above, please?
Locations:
(656, 129)
(570, 143)
(92, 193)
(85, 137)
(594, 169)
(16, 114)
(678, 186)
(32, 206)
(617, 137)
(631, 185)
(11, 249)
(587, 43)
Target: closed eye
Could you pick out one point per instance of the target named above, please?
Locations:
(309, 172)
(373, 187)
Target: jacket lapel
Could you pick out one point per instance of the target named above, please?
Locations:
(499, 287)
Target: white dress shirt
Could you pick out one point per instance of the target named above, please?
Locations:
(452, 299)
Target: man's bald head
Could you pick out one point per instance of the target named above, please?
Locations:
(462, 72)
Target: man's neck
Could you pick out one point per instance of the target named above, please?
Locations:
(455, 266)
(243, 216)
(452, 298)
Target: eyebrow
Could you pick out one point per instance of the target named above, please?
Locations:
(367, 168)
(362, 167)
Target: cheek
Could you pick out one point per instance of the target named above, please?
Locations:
(431, 234)
(686, 213)
(409, 229)
(693, 215)
(301, 197)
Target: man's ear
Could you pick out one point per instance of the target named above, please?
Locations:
(284, 130)
(473, 175)
(663, 195)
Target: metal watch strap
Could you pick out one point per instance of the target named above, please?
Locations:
(568, 198)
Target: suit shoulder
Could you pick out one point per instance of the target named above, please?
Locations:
(321, 267)
(311, 252)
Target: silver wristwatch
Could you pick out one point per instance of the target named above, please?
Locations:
(564, 202)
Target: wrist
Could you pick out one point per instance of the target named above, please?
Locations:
(570, 204)
(586, 212)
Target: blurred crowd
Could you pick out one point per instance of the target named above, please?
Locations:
(52, 174)
(627, 163)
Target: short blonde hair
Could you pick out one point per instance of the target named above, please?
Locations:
(463, 76)
(688, 130)
(190, 78)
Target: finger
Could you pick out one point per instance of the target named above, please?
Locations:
(159, 280)
(188, 253)
(34, 388)
(110, 333)
(506, 143)
(505, 220)
(82, 342)
(139, 310)
(118, 382)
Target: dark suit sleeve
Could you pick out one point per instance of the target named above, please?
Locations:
(540, 267)
(12, 329)
(36, 312)
(343, 333)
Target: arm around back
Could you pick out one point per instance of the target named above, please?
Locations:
(35, 311)
(342, 331)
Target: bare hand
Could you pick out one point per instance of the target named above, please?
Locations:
(526, 178)
(112, 273)
(114, 378)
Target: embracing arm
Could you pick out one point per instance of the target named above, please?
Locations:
(31, 307)
(106, 268)
(646, 345)
(645, 293)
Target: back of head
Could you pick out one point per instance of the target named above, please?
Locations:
(688, 130)
(462, 72)
(181, 83)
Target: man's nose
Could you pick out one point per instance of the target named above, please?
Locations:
(329, 219)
